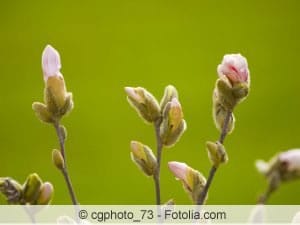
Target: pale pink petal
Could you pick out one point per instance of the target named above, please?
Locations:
(178, 169)
(234, 67)
(50, 62)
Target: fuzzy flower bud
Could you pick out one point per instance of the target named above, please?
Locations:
(46, 193)
(232, 87)
(192, 180)
(144, 103)
(143, 157)
(173, 124)
(235, 68)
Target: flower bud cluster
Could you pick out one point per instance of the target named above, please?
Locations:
(34, 191)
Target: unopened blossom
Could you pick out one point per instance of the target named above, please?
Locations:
(50, 62)
(235, 68)
(143, 157)
(286, 164)
(173, 125)
(144, 103)
(193, 181)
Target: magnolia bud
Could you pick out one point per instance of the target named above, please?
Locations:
(58, 159)
(57, 99)
(46, 193)
(42, 112)
(169, 94)
(173, 124)
(144, 103)
(192, 180)
(282, 167)
(31, 188)
(143, 157)
(235, 68)
(233, 85)
(216, 153)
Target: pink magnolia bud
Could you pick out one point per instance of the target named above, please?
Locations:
(50, 62)
(235, 68)
(193, 181)
(291, 159)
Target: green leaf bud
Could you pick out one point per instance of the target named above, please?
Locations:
(58, 159)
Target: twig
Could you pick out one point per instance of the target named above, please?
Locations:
(159, 147)
(213, 169)
(273, 185)
(65, 170)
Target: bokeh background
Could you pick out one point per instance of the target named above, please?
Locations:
(106, 45)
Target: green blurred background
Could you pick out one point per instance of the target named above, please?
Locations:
(106, 45)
